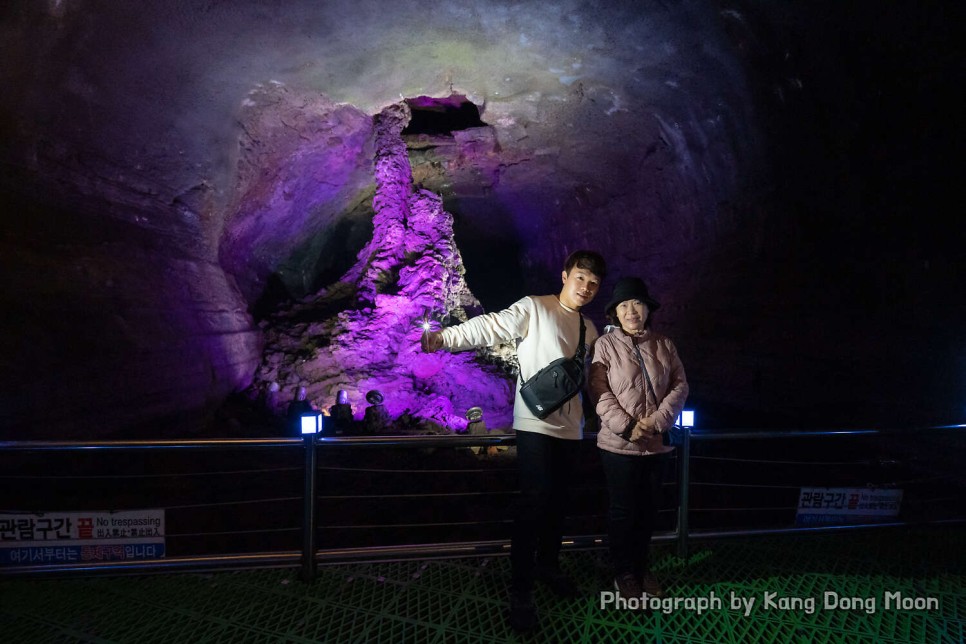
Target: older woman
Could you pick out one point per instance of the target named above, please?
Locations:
(638, 383)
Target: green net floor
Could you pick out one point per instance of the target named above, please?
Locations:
(888, 585)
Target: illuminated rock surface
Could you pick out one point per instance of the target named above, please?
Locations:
(362, 333)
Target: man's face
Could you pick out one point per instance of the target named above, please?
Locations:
(579, 287)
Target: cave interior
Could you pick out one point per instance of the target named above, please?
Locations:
(198, 218)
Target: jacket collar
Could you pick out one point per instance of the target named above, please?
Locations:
(629, 339)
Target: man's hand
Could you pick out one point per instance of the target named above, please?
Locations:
(431, 341)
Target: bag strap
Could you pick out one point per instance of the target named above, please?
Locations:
(581, 350)
(648, 387)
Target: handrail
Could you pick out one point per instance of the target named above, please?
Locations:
(494, 437)
(150, 444)
(309, 556)
(168, 564)
(443, 440)
(806, 433)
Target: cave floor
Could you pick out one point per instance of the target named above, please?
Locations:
(908, 581)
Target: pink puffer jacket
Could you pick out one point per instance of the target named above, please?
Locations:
(617, 389)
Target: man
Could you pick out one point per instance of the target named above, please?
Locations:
(546, 328)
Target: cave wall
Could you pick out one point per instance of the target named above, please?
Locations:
(305, 166)
(172, 169)
(110, 327)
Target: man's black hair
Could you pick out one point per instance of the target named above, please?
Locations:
(589, 260)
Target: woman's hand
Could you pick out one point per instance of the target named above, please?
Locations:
(644, 428)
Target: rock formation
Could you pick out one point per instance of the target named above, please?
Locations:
(362, 333)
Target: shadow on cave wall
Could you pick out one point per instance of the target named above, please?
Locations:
(316, 263)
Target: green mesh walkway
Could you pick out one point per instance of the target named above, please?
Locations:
(462, 600)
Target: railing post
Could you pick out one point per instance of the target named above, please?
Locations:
(308, 511)
(683, 489)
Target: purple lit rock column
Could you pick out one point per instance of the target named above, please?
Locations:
(394, 181)
(409, 273)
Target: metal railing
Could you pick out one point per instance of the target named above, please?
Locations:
(684, 534)
(301, 457)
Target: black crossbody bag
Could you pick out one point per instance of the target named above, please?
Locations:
(558, 382)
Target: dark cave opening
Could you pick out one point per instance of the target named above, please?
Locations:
(437, 116)
(491, 257)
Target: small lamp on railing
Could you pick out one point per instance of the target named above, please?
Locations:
(684, 422)
(311, 423)
(303, 418)
(685, 419)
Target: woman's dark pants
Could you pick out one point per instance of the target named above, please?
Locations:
(633, 489)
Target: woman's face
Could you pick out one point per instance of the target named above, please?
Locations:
(632, 314)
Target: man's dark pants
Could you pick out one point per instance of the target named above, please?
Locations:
(546, 466)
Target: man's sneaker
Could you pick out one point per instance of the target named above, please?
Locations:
(522, 615)
(627, 585)
(558, 583)
(651, 586)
